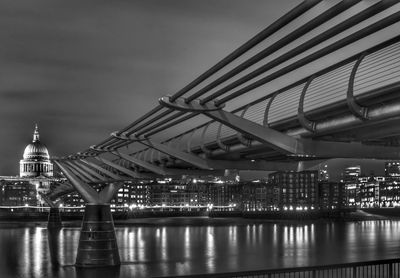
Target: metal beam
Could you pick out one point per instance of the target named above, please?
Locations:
(88, 177)
(124, 170)
(76, 173)
(348, 150)
(101, 169)
(87, 192)
(287, 144)
(184, 156)
(212, 164)
(149, 166)
(89, 170)
(301, 116)
(166, 171)
(357, 110)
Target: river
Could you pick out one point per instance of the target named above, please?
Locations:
(183, 246)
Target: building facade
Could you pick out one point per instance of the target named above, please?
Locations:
(295, 190)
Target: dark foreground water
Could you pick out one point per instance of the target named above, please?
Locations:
(179, 247)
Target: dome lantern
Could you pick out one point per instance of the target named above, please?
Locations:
(36, 134)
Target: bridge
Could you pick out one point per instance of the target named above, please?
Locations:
(319, 83)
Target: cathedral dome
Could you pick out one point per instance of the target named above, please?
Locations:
(36, 150)
(36, 161)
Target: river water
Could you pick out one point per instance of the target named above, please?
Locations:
(182, 246)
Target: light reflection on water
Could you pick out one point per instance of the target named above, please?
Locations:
(177, 250)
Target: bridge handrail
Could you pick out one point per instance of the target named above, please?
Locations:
(252, 273)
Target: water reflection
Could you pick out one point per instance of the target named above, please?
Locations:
(53, 236)
(106, 272)
(177, 250)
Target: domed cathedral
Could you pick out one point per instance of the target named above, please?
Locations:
(36, 159)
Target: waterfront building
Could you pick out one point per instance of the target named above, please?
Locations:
(296, 190)
(258, 196)
(389, 193)
(370, 191)
(179, 194)
(352, 185)
(133, 195)
(225, 195)
(392, 169)
(17, 193)
(331, 195)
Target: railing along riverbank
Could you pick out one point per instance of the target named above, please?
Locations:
(370, 269)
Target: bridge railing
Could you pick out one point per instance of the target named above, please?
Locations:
(370, 269)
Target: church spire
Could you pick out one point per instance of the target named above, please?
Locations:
(36, 134)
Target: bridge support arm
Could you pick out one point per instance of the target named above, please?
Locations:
(101, 169)
(274, 139)
(89, 170)
(151, 167)
(119, 167)
(187, 157)
(80, 171)
(88, 193)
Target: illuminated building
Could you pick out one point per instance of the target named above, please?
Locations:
(323, 173)
(352, 185)
(389, 193)
(370, 191)
(17, 193)
(225, 195)
(392, 169)
(296, 190)
(331, 195)
(258, 196)
(170, 192)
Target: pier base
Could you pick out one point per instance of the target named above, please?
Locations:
(97, 243)
(54, 220)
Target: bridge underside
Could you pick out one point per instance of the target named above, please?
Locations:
(327, 87)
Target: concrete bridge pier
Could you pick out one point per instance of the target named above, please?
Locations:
(97, 242)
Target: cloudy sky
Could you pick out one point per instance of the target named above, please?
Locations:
(82, 69)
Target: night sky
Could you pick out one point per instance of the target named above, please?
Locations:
(82, 69)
